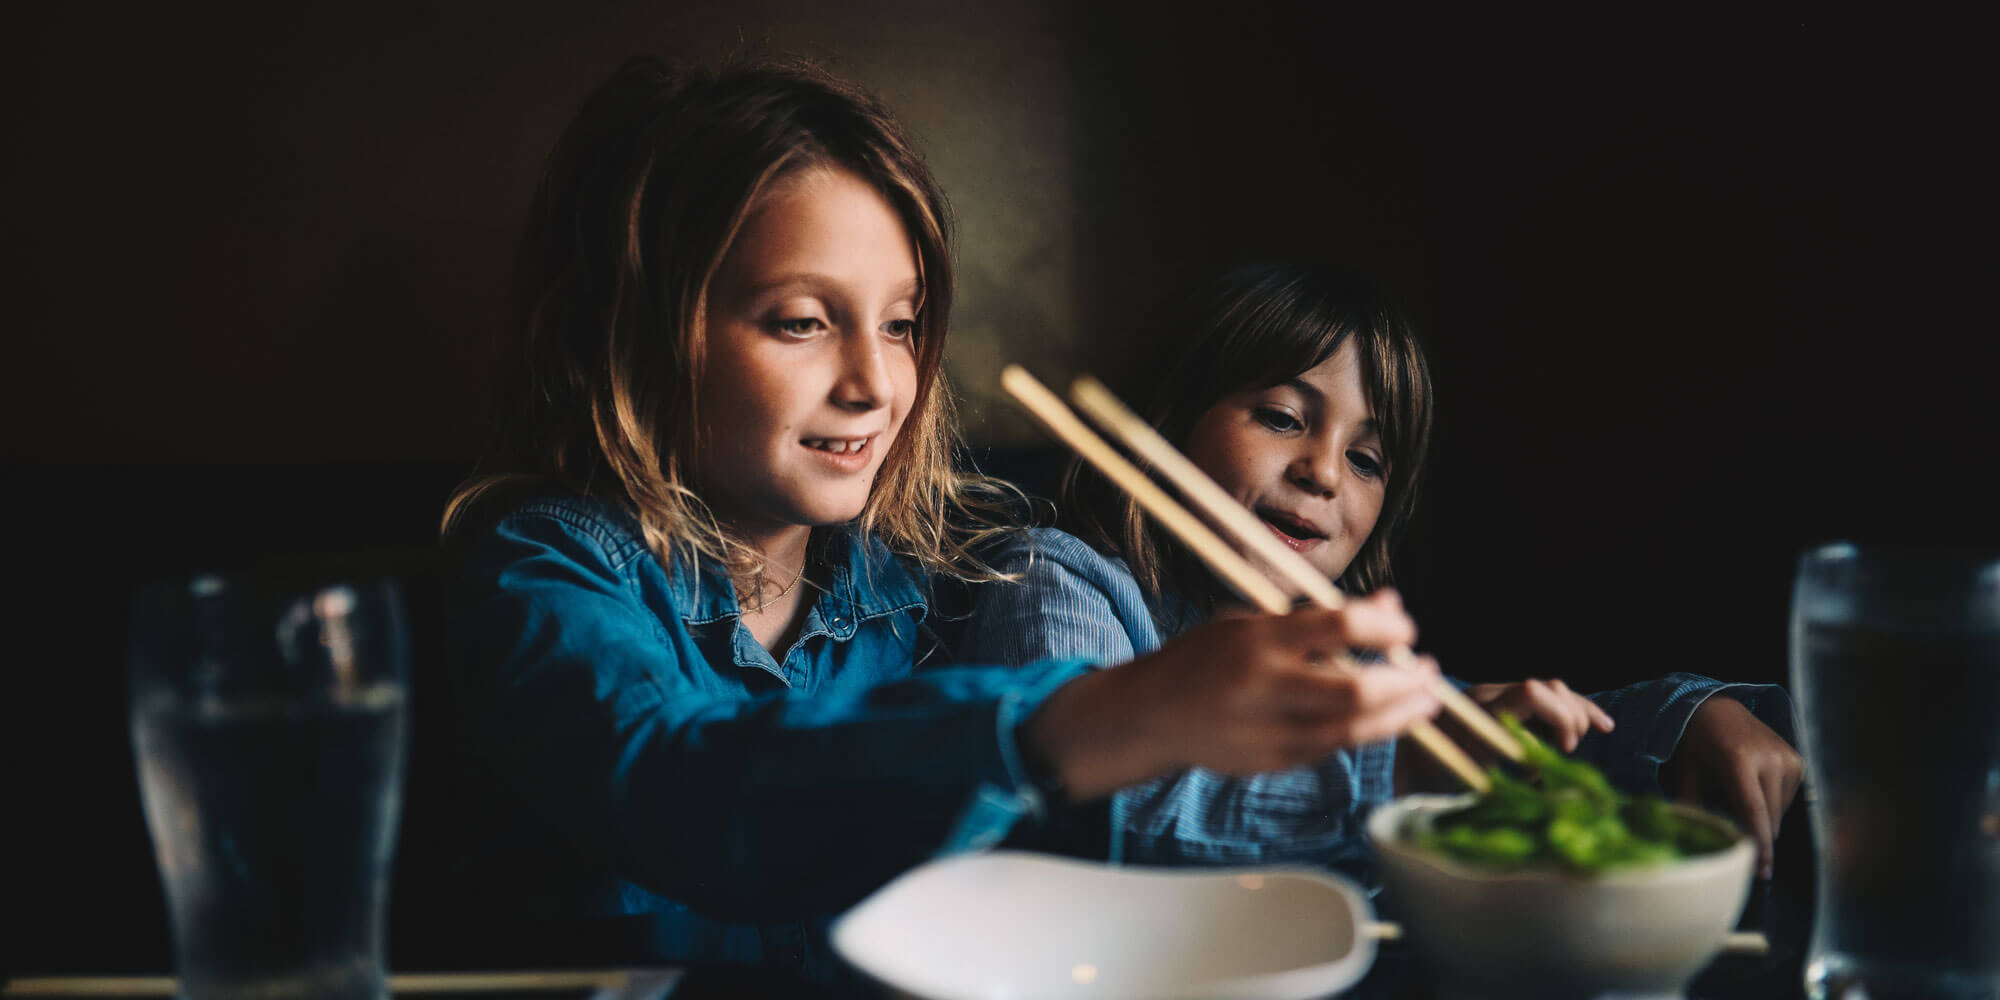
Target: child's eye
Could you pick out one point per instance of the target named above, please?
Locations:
(803, 326)
(1366, 464)
(1277, 420)
(900, 329)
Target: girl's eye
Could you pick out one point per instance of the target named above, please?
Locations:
(1277, 420)
(803, 326)
(900, 329)
(1365, 464)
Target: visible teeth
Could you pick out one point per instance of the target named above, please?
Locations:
(837, 447)
(1290, 529)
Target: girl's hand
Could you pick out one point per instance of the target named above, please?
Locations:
(1237, 695)
(1563, 716)
(1728, 758)
(1559, 715)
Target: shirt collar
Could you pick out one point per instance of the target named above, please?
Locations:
(863, 580)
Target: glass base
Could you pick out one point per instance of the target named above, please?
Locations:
(357, 980)
(1837, 977)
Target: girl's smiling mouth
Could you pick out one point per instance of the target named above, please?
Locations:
(1296, 532)
(842, 453)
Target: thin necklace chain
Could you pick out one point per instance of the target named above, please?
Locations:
(800, 575)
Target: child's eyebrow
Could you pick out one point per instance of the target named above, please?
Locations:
(819, 284)
(802, 282)
(1304, 388)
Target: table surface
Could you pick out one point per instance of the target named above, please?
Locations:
(1395, 976)
(546, 984)
(595, 960)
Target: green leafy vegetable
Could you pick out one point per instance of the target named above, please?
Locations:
(1568, 817)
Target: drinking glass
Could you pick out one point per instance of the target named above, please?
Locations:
(268, 725)
(1895, 658)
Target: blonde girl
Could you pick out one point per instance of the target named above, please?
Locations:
(692, 586)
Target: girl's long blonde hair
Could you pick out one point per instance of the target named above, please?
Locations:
(641, 200)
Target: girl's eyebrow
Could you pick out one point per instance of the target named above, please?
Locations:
(804, 281)
(819, 284)
(1304, 388)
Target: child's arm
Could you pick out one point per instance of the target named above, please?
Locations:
(786, 805)
(1563, 715)
(1730, 758)
(1073, 601)
(1685, 733)
(1237, 695)
(1563, 718)
(612, 723)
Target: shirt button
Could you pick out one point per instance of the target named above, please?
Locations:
(838, 622)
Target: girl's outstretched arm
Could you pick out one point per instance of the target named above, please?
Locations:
(1731, 759)
(1071, 600)
(1238, 696)
(765, 803)
(624, 729)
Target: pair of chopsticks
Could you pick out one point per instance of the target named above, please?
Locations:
(1242, 525)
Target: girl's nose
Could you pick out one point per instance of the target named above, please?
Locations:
(1317, 472)
(864, 383)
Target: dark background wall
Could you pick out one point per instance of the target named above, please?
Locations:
(1697, 295)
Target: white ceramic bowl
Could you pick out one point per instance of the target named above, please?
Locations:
(1641, 932)
(1014, 924)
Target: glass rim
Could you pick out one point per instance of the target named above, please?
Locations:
(1839, 550)
(270, 579)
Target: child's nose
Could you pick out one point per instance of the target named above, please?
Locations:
(1316, 474)
(864, 375)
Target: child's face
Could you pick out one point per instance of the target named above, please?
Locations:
(811, 366)
(1304, 455)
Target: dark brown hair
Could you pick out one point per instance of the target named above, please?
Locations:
(1260, 325)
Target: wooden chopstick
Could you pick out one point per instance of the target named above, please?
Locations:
(1055, 415)
(1094, 399)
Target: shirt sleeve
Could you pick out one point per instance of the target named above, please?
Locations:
(1055, 609)
(1652, 715)
(1072, 602)
(767, 808)
(1303, 815)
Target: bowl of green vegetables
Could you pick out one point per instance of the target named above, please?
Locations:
(1554, 884)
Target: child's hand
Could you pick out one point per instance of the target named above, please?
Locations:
(1564, 717)
(1728, 757)
(1237, 695)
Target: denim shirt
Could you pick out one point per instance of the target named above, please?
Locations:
(681, 771)
(1074, 601)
